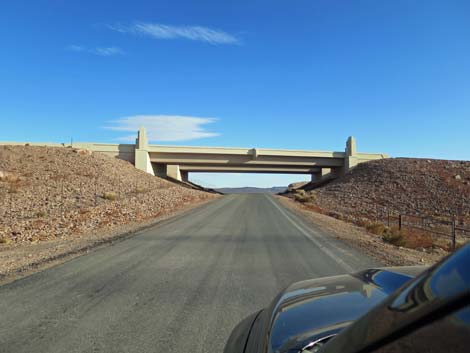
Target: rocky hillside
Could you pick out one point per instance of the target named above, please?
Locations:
(48, 193)
(402, 185)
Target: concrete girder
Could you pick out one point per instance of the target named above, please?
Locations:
(247, 169)
(204, 159)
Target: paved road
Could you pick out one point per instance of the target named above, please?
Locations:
(178, 287)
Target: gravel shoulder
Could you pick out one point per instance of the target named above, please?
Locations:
(60, 202)
(364, 241)
(22, 259)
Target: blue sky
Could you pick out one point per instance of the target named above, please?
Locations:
(302, 74)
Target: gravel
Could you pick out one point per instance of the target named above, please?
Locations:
(365, 242)
(401, 185)
(58, 196)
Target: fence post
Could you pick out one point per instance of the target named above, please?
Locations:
(62, 199)
(11, 208)
(399, 222)
(453, 234)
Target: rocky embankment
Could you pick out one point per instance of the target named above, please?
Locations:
(401, 185)
(428, 196)
(51, 193)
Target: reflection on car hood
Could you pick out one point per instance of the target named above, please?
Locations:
(309, 310)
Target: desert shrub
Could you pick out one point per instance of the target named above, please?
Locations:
(9, 177)
(394, 236)
(3, 240)
(41, 214)
(111, 196)
(376, 228)
(312, 197)
(304, 197)
(363, 222)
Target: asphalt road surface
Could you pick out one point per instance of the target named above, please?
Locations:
(180, 286)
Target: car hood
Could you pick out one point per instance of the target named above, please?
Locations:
(314, 309)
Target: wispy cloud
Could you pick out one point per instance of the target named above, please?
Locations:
(77, 48)
(107, 51)
(101, 51)
(161, 31)
(164, 127)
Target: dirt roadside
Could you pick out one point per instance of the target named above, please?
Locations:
(364, 241)
(21, 260)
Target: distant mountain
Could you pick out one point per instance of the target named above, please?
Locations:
(252, 190)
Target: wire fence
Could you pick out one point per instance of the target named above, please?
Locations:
(450, 228)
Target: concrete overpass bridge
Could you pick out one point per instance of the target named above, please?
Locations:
(178, 162)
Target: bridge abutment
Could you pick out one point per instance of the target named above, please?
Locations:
(142, 157)
(350, 158)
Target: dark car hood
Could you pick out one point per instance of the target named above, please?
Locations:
(313, 309)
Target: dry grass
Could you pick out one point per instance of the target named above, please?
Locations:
(9, 177)
(315, 208)
(410, 238)
(415, 238)
(304, 197)
(141, 190)
(12, 180)
(111, 196)
(376, 228)
(41, 214)
(363, 222)
(368, 243)
(394, 236)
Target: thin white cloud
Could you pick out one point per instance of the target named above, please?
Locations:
(161, 31)
(164, 127)
(108, 51)
(77, 48)
(101, 51)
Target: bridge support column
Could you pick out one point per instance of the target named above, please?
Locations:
(318, 176)
(173, 171)
(184, 175)
(337, 172)
(142, 158)
(160, 170)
